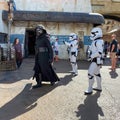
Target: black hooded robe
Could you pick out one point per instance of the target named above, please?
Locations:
(44, 58)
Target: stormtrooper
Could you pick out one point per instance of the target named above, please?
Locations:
(96, 58)
(73, 51)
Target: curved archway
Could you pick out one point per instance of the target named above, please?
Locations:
(113, 17)
(112, 25)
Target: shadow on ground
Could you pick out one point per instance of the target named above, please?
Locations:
(26, 100)
(113, 74)
(23, 102)
(26, 70)
(64, 66)
(90, 110)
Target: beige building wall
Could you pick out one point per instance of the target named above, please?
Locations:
(52, 28)
(55, 28)
(3, 26)
(54, 5)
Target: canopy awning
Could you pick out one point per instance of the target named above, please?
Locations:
(47, 16)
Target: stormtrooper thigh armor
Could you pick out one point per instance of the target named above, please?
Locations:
(74, 64)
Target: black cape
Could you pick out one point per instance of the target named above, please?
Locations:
(43, 60)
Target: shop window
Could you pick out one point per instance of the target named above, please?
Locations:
(3, 38)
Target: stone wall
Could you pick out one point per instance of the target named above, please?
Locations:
(106, 6)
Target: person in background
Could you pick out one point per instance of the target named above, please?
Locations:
(113, 51)
(118, 55)
(18, 52)
(56, 50)
(106, 48)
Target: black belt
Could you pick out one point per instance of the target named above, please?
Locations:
(73, 53)
(94, 60)
(43, 49)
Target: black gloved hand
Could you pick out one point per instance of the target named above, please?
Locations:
(50, 61)
(64, 42)
(89, 59)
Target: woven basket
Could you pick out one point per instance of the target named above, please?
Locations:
(7, 65)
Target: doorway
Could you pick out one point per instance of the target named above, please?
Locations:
(30, 43)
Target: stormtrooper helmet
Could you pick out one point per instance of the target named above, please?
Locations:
(96, 33)
(72, 36)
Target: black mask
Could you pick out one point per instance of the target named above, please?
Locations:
(39, 31)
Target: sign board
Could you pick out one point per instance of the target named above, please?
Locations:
(87, 40)
(19, 36)
(60, 38)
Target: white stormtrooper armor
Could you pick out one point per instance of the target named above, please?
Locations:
(96, 60)
(73, 44)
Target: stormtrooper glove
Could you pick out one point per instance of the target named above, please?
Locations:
(89, 59)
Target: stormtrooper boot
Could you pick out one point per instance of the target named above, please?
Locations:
(76, 71)
(98, 88)
(89, 90)
(74, 68)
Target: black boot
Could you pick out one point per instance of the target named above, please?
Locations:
(52, 83)
(37, 86)
(38, 82)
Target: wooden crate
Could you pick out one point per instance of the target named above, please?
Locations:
(7, 65)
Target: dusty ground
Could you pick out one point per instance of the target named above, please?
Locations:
(64, 101)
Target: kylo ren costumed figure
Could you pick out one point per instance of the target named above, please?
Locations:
(43, 70)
